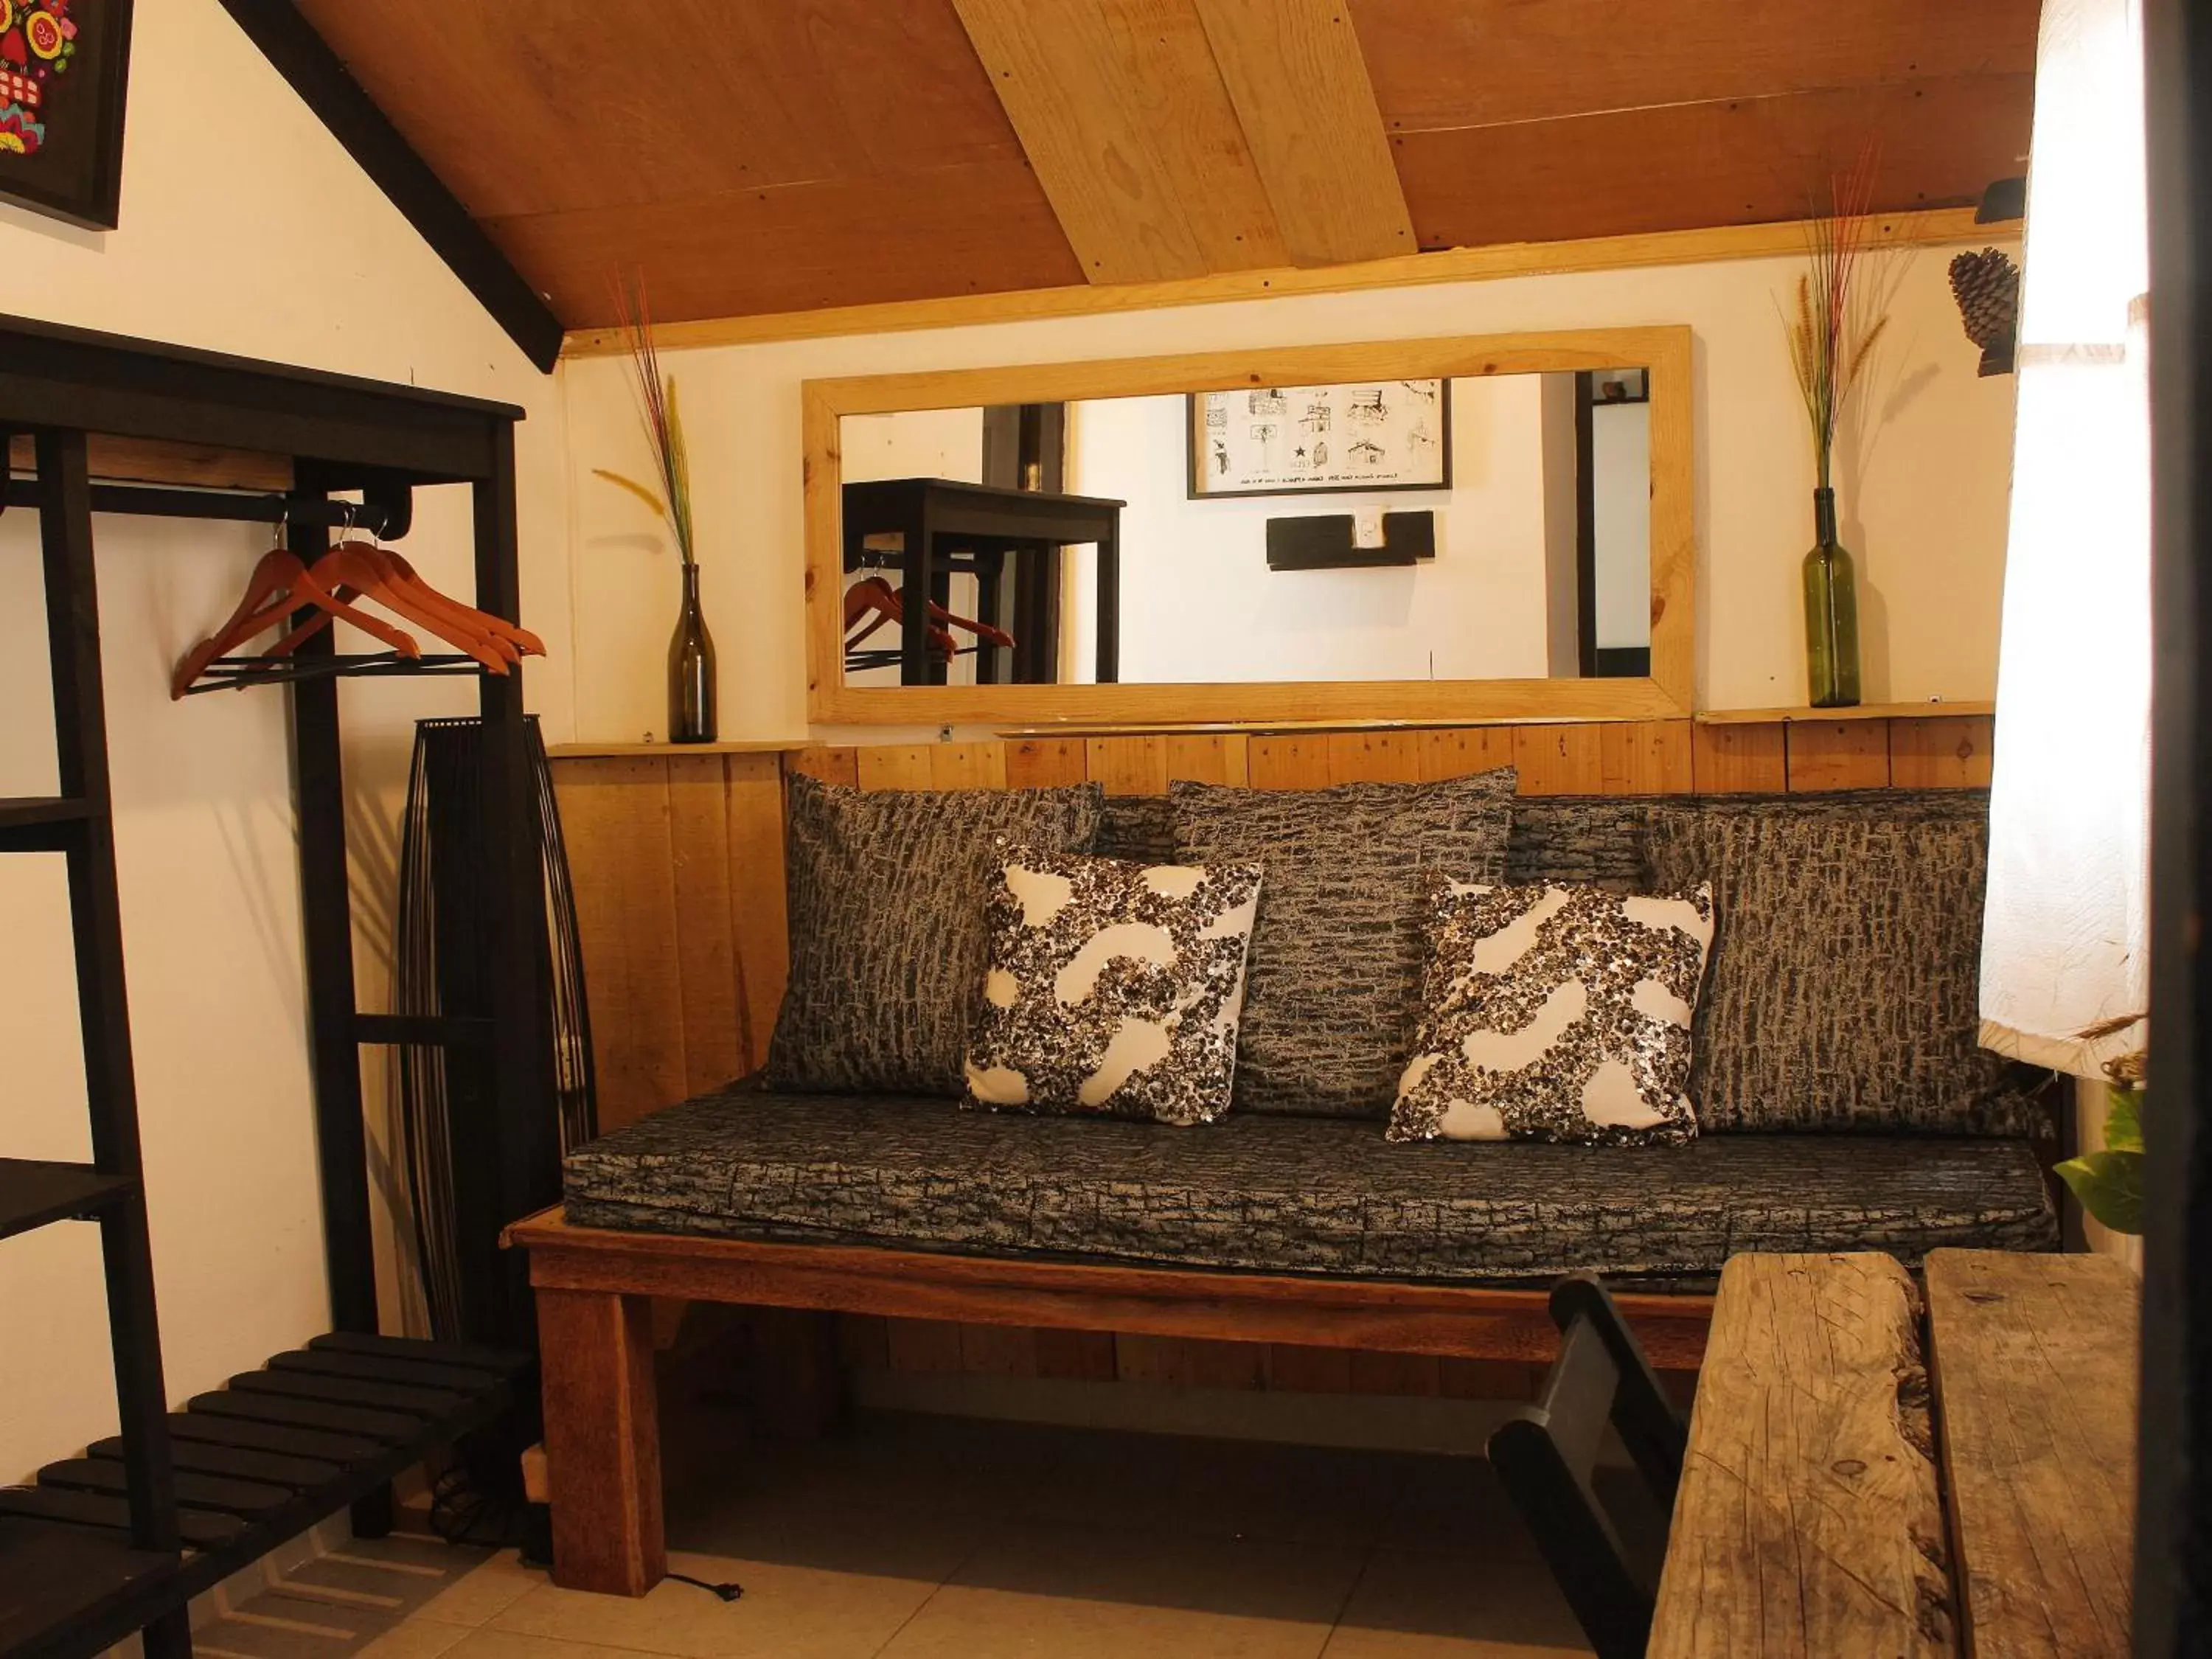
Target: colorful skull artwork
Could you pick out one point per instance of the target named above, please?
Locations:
(38, 39)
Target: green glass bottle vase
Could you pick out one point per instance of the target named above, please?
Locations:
(692, 670)
(1831, 614)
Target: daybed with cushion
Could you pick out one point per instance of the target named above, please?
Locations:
(1841, 1104)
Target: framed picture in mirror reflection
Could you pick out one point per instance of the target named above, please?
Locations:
(1320, 440)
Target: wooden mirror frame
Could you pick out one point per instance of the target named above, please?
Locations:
(1668, 690)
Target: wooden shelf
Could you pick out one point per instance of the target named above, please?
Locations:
(1963, 709)
(34, 1194)
(658, 751)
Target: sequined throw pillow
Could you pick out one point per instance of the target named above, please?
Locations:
(886, 890)
(1336, 959)
(1559, 1012)
(1112, 987)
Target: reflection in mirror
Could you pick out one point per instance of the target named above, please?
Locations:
(1494, 527)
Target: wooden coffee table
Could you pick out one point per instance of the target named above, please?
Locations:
(1834, 1504)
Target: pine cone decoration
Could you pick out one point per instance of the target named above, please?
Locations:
(1986, 285)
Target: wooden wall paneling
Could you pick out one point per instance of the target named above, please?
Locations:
(1944, 753)
(1238, 1365)
(1078, 1356)
(930, 1346)
(1376, 756)
(1646, 757)
(1210, 757)
(864, 1342)
(1046, 762)
(894, 766)
(1160, 1360)
(1123, 115)
(1290, 760)
(1295, 1369)
(997, 1350)
(1128, 766)
(968, 766)
(1837, 754)
(1727, 760)
(1416, 1374)
(708, 979)
(1668, 166)
(1560, 760)
(1300, 89)
(759, 923)
(1465, 751)
(614, 815)
(830, 763)
(1460, 1378)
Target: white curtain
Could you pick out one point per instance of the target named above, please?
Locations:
(2066, 934)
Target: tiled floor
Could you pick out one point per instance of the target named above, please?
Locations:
(942, 1538)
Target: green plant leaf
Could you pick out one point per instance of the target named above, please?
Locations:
(2123, 1121)
(2110, 1185)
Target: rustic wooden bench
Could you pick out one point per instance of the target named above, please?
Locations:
(594, 1290)
(1815, 1513)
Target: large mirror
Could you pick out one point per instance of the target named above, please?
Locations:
(1443, 529)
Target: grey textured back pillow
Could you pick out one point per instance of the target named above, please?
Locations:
(1844, 988)
(1333, 988)
(887, 939)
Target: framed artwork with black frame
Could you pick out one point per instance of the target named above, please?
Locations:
(1320, 440)
(65, 75)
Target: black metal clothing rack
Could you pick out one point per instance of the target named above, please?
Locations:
(946, 527)
(121, 1538)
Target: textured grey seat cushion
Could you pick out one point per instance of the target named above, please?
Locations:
(1316, 1195)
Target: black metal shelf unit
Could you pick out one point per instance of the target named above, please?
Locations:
(120, 1538)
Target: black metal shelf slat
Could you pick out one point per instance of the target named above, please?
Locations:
(41, 809)
(230, 1517)
(35, 1193)
(50, 1569)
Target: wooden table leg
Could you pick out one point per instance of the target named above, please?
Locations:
(602, 1441)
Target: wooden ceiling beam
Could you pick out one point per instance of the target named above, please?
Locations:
(1946, 227)
(1122, 110)
(1302, 95)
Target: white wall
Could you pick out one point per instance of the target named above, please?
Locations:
(1620, 523)
(1922, 478)
(1198, 603)
(245, 229)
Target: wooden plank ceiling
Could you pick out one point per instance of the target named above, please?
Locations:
(783, 155)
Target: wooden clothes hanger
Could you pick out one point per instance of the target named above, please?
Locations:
(875, 594)
(363, 567)
(280, 585)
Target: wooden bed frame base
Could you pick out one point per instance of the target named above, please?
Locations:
(595, 1290)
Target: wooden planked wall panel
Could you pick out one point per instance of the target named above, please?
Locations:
(677, 861)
